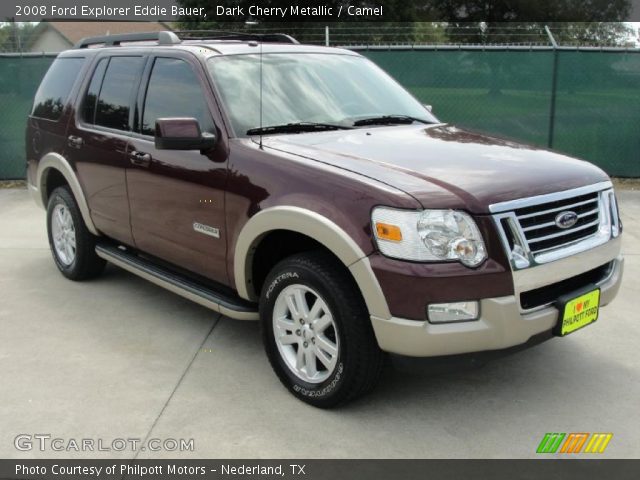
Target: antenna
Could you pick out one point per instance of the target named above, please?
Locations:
(260, 95)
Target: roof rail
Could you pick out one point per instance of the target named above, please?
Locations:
(243, 36)
(163, 38)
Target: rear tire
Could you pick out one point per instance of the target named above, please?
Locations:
(317, 332)
(72, 245)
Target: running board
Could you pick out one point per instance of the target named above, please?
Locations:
(236, 308)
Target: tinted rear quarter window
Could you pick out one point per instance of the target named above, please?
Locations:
(116, 94)
(53, 93)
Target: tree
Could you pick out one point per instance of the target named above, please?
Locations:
(597, 22)
(399, 15)
(490, 11)
(542, 11)
(15, 35)
(394, 10)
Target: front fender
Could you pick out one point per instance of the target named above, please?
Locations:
(321, 229)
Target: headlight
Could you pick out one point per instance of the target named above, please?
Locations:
(429, 235)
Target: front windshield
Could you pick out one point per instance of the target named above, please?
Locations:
(333, 89)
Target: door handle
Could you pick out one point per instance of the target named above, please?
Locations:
(74, 142)
(140, 159)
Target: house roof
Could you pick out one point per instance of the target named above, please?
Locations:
(76, 31)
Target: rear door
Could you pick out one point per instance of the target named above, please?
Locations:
(177, 197)
(98, 139)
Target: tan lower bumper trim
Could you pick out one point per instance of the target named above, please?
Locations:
(501, 325)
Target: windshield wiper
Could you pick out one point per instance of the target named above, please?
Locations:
(299, 127)
(388, 120)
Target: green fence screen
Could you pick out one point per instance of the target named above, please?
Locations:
(595, 114)
(19, 80)
(580, 102)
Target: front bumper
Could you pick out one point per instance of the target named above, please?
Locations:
(502, 323)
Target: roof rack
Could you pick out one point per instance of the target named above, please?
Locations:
(243, 36)
(170, 38)
(163, 38)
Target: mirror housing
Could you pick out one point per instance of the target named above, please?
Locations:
(428, 107)
(182, 134)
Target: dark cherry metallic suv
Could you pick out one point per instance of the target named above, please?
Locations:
(303, 187)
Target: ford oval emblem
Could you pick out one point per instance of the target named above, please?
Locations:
(566, 219)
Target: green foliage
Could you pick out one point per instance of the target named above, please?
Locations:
(15, 36)
(422, 21)
(542, 11)
(394, 10)
(453, 11)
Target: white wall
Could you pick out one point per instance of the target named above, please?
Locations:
(50, 41)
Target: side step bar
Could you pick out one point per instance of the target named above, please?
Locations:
(236, 308)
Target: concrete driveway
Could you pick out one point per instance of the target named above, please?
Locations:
(119, 358)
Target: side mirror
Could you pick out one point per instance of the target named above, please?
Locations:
(182, 134)
(428, 107)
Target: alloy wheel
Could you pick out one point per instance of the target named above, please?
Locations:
(306, 333)
(63, 233)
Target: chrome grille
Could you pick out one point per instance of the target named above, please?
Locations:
(541, 231)
(532, 236)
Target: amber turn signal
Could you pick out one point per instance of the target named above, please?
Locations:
(385, 231)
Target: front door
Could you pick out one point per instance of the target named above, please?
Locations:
(177, 197)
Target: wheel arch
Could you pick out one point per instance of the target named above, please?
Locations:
(54, 162)
(321, 230)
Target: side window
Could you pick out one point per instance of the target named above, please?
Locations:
(174, 91)
(91, 97)
(116, 95)
(53, 93)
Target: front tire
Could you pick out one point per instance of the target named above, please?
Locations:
(317, 332)
(72, 245)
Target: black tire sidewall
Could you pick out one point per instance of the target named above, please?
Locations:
(290, 274)
(61, 196)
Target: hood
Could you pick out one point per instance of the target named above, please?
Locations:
(443, 166)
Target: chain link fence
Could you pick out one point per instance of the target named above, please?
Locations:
(582, 101)
(348, 34)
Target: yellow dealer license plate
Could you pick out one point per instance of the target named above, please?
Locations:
(578, 312)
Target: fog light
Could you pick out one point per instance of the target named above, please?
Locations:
(453, 312)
